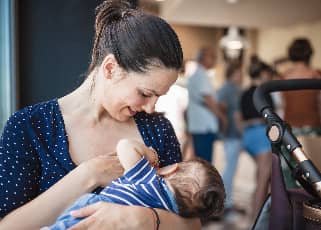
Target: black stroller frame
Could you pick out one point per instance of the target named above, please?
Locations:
(284, 209)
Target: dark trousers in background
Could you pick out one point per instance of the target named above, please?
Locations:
(203, 145)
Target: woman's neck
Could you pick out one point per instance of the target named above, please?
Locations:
(85, 101)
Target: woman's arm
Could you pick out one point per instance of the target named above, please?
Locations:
(238, 121)
(216, 109)
(170, 221)
(44, 209)
(100, 217)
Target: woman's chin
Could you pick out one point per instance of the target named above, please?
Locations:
(123, 118)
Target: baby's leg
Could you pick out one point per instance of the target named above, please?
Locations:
(65, 220)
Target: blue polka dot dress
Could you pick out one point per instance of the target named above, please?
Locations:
(34, 151)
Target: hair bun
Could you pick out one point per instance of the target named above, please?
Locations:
(114, 10)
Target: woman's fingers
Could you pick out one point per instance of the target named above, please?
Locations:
(86, 211)
(103, 169)
(83, 225)
(90, 223)
(95, 217)
(79, 226)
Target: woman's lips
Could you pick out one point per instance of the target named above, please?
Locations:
(131, 112)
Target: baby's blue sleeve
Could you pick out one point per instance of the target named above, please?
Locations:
(140, 172)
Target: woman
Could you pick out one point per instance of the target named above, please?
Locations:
(255, 141)
(302, 108)
(303, 113)
(53, 152)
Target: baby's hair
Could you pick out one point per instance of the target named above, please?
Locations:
(199, 189)
(137, 39)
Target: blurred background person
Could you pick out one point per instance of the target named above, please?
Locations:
(255, 141)
(203, 111)
(174, 105)
(228, 97)
(302, 107)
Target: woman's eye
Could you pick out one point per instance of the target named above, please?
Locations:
(145, 95)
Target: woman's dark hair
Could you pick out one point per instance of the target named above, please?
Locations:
(257, 67)
(135, 38)
(300, 50)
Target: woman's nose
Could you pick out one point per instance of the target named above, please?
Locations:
(149, 107)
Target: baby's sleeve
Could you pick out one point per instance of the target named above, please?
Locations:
(140, 172)
(19, 166)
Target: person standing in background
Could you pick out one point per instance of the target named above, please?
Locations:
(302, 107)
(228, 96)
(306, 111)
(203, 111)
(254, 139)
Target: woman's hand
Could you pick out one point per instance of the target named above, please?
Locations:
(98, 171)
(103, 215)
(103, 169)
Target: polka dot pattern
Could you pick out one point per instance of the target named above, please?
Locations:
(34, 151)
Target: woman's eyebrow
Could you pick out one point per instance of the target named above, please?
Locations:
(153, 91)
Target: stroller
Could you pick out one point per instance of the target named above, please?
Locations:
(288, 208)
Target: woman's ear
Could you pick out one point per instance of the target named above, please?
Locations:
(109, 65)
(167, 170)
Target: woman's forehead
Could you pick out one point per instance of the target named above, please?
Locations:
(154, 79)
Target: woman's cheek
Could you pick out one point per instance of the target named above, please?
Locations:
(138, 101)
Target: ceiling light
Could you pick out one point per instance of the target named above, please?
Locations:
(232, 1)
(233, 42)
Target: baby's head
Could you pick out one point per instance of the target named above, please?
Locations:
(198, 189)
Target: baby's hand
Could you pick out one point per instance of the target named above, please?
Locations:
(153, 157)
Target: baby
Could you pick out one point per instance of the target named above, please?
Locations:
(190, 189)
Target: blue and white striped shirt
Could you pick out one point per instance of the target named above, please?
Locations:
(141, 186)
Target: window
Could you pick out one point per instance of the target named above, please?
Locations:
(7, 60)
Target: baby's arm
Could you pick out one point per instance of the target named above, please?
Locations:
(130, 152)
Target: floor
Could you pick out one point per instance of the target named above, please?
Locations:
(243, 188)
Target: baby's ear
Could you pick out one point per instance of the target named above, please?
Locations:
(167, 170)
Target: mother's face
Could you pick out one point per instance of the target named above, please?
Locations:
(136, 92)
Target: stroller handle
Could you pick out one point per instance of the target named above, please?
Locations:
(280, 133)
(260, 94)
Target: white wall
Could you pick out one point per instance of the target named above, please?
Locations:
(273, 43)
